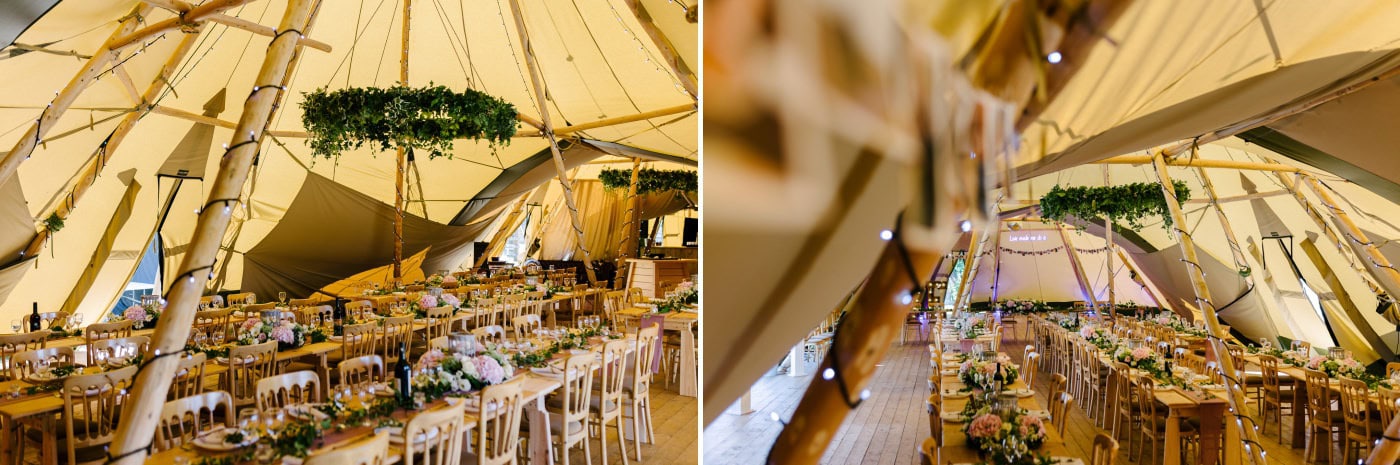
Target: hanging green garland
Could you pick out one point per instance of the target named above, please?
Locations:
(53, 223)
(650, 180)
(1131, 203)
(423, 118)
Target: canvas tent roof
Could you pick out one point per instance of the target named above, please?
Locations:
(1169, 72)
(598, 62)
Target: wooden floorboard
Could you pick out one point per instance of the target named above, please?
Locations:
(889, 426)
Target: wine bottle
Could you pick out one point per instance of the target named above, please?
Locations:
(34, 320)
(403, 375)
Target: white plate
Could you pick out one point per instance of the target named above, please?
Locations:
(306, 412)
(1018, 392)
(214, 440)
(1042, 414)
(948, 372)
(952, 417)
(954, 394)
(396, 434)
(546, 371)
(337, 338)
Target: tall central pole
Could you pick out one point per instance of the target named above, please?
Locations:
(400, 158)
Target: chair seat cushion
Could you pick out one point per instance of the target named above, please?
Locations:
(557, 424)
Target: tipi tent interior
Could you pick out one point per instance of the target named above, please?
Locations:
(930, 176)
(127, 118)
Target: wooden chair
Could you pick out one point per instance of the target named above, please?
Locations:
(491, 333)
(298, 387)
(636, 389)
(1391, 368)
(439, 320)
(23, 364)
(360, 309)
(1059, 411)
(498, 424)
(189, 377)
(358, 372)
(242, 298)
(1126, 414)
(1057, 385)
(1276, 396)
(101, 350)
(1105, 450)
(373, 450)
(607, 402)
(307, 302)
(91, 406)
(1386, 405)
(99, 331)
(934, 405)
(525, 326)
(439, 343)
(10, 344)
(567, 420)
(214, 326)
(247, 365)
(183, 419)
(436, 436)
(1153, 428)
(394, 332)
(1356, 412)
(1321, 417)
(357, 340)
(47, 320)
(1094, 394)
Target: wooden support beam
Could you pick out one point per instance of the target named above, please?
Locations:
(187, 19)
(198, 118)
(996, 262)
(1201, 163)
(1254, 454)
(64, 98)
(1138, 279)
(1334, 236)
(400, 157)
(630, 238)
(88, 174)
(1236, 251)
(127, 84)
(140, 416)
(974, 259)
(668, 51)
(175, 6)
(547, 129)
(1084, 284)
(1108, 255)
(266, 31)
(1380, 267)
(605, 122)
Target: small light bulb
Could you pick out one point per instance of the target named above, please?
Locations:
(828, 374)
(774, 416)
(886, 234)
(1054, 57)
(965, 225)
(906, 299)
(865, 394)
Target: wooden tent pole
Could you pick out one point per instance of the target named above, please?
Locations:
(90, 171)
(548, 130)
(400, 157)
(137, 427)
(1083, 278)
(1201, 163)
(1128, 263)
(1367, 275)
(503, 233)
(1235, 391)
(64, 98)
(970, 272)
(629, 228)
(668, 52)
(1108, 255)
(996, 262)
(1382, 270)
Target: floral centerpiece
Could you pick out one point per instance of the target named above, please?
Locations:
(1335, 366)
(1097, 336)
(1011, 438)
(1019, 306)
(420, 307)
(441, 374)
(434, 280)
(288, 334)
(981, 375)
(449, 279)
(1141, 358)
(143, 315)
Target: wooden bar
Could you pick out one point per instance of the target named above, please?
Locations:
(1201, 163)
(648, 274)
(1084, 284)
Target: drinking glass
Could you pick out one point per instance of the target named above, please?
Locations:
(419, 399)
(15, 326)
(282, 296)
(265, 453)
(247, 418)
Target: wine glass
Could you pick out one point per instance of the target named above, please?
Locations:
(282, 297)
(15, 326)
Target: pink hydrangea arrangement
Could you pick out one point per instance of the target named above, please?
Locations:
(1087, 331)
(1031, 428)
(431, 359)
(427, 301)
(135, 313)
(984, 427)
(451, 300)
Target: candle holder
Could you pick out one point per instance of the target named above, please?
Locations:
(271, 316)
(463, 343)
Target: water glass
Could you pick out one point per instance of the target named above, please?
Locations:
(419, 399)
(15, 326)
(282, 297)
(266, 455)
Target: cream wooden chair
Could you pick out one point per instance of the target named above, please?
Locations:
(494, 334)
(1105, 450)
(928, 452)
(10, 344)
(1277, 398)
(247, 365)
(101, 350)
(99, 331)
(211, 301)
(439, 321)
(1361, 427)
(934, 406)
(91, 406)
(23, 364)
(1059, 411)
(607, 401)
(439, 343)
(183, 419)
(189, 377)
(47, 320)
(436, 436)
(566, 421)
(498, 424)
(636, 389)
(395, 331)
(373, 450)
(298, 387)
(358, 372)
(357, 340)
(1028, 368)
(242, 298)
(1323, 420)
(214, 325)
(525, 326)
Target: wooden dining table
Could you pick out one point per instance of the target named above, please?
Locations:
(954, 442)
(685, 324)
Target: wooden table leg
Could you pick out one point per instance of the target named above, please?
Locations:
(688, 384)
(1300, 408)
(7, 443)
(1211, 416)
(539, 433)
(799, 364)
(49, 453)
(1172, 444)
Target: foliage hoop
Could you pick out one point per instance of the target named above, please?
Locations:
(1131, 203)
(651, 180)
(424, 118)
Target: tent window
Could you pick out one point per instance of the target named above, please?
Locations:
(950, 297)
(145, 281)
(515, 244)
(658, 238)
(1312, 298)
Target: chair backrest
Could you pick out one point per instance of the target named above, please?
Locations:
(490, 333)
(1057, 384)
(577, 391)
(499, 422)
(612, 376)
(1319, 397)
(1028, 368)
(928, 452)
(117, 347)
(98, 331)
(23, 364)
(1356, 406)
(646, 354)
(394, 331)
(373, 450)
(1268, 372)
(307, 302)
(1105, 450)
(1147, 404)
(211, 301)
(10, 344)
(213, 325)
(439, 343)
(247, 365)
(184, 418)
(358, 340)
(1059, 411)
(359, 309)
(356, 373)
(91, 406)
(48, 319)
(1386, 405)
(297, 387)
(439, 320)
(934, 405)
(436, 436)
(1391, 368)
(525, 326)
(189, 377)
(242, 298)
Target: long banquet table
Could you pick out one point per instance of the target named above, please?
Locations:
(685, 324)
(955, 448)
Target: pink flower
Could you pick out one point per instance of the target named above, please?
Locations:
(251, 323)
(427, 301)
(1031, 426)
(450, 279)
(489, 370)
(431, 359)
(451, 300)
(1087, 332)
(1141, 353)
(1316, 361)
(984, 426)
(284, 334)
(135, 313)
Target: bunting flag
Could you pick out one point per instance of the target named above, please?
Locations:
(1052, 250)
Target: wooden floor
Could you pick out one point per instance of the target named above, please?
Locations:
(888, 427)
